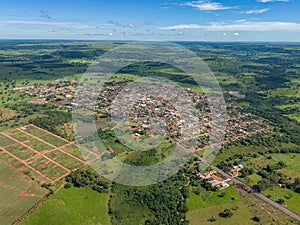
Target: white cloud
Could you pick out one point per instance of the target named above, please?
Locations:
(236, 34)
(206, 5)
(266, 1)
(182, 26)
(240, 26)
(117, 24)
(53, 23)
(258, 11)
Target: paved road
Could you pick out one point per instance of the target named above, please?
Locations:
(247, 187)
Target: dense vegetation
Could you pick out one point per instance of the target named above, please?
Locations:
(87, 178)
(163, 203)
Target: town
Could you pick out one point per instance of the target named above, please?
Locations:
(176, 123)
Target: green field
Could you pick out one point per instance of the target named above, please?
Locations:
(241, 215)
(73, 150)
(253, 179)
(35, 131)
(288, 92)
(64, 159)
(18, 193)
(20, 151)
(292, 161)
(38, 145)
(292, 203)
(79, 153)
(49, 168)
(225, 154)
(295, 116)
(53, 140)
(5, 141)
(206, 199)
(20, 136)
(76, 206)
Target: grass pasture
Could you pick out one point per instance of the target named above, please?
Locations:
(241, 215)
(292, 161)
(80, 153)
(73, 150)
(291, 198)
(76, 206)
(206, 199)
(18, 193)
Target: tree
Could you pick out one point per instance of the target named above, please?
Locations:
(67, 186)
(226, 213)
(280, 201)
(296, 185)
(256, 219)
(212, 219)
(222, 195)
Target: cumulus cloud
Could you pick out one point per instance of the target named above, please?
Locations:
(258, 11)
(240, 26)
(206, 5)
(128, 25)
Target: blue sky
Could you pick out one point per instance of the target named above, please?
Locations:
(215, 20)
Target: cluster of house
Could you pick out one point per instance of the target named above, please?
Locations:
(59, 92)
(236, 169)
(145, 109)
(216, 180)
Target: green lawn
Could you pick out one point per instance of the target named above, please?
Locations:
(206, 199)
(76, 206)
(292, 203)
